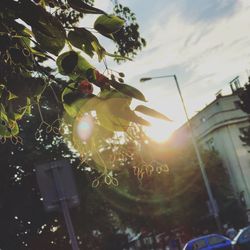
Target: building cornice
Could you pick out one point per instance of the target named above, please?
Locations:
(224, 123)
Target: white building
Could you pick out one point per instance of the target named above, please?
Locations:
(217, 127)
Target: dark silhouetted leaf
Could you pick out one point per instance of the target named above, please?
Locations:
(73, 65)
(86, 41)
(81, 6)
(25, 86)
(17, 107)
(74, 101)
(7, 128)
(48, 31)
(129, 115)
(128, 90)
(151, 112)
(69, 62)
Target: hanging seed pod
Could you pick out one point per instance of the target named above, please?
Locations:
(51, 4)
(3, 123)
(95, 183)
(26, 52)
(121, 74)
(112, 77)
(120, 80)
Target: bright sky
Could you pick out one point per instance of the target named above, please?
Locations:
(206, 43)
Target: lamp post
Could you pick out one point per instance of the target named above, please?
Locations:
(197, 151)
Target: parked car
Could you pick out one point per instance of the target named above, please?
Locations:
(242, 239)
(209, 242)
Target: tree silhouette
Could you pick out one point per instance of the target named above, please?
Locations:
(244, 95)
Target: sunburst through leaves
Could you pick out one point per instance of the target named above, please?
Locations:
(102, 133)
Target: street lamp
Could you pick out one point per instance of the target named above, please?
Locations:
(197, 151)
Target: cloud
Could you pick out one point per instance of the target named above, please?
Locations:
(205, 43)
(207, 11)
(205, 51)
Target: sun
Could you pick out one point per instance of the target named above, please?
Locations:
(160, 131)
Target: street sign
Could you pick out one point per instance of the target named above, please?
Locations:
(57, 187)
(47, 179)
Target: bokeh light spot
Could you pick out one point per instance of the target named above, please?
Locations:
(85, 127)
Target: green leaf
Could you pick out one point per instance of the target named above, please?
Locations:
(128, 90)
(151, 112)
(9, 131)
(47, 29)
(108, 120)
(17, 107)
(114, 112)
(17, 57)
(40, 54)
(73, 65)
(25, 86)
(81, 6)
(67, 62)
(86, 41)
(73, 101)
(7, 128)
(119, 107)
(28, 107)
(107, 25)
(47, 43)
(71, 111)
(129, 115)
(113, 93)
(72, 97)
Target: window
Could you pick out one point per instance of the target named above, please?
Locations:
(210, 144)
(214, 240)
(237, 104)
(199, 244)
(245, 235)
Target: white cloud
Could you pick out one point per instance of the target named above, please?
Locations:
(211, 52)
(205, 53)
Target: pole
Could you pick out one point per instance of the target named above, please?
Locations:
(200, 162)
(64, 206)
(197, 152)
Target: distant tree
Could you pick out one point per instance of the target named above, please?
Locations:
(24, 223)
(171, 192)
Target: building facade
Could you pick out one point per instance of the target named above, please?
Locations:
(218, 127)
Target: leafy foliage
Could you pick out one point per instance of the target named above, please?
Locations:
(24, 223)
(128, 36)
(244, 95)
(148, 111)
(172, 192)
(53, 23)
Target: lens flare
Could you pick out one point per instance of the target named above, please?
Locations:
(85, 127)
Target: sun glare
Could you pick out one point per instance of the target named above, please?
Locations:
(85, 127)
(160, 131)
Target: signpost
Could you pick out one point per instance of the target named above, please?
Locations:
(57, 187)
